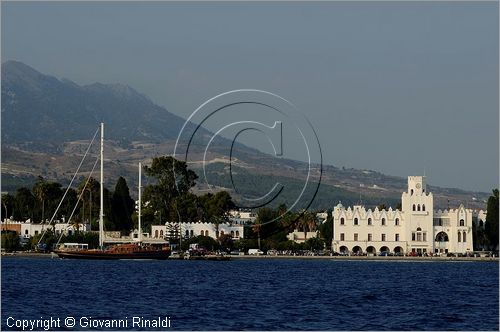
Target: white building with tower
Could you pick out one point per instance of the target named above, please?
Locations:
(416, 228)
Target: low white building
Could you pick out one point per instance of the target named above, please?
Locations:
(300, 236)
(416, 228)
(189, 230)
(27, 229)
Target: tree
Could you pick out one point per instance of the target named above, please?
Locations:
(10, 240)
(217, 208)
(122, 207)
(491, 226)
(8, 202)
(40, 190)
(24, 204)
(326, 229)
(173, 179)
(314, 243)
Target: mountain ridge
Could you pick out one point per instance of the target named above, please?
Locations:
(45, 120)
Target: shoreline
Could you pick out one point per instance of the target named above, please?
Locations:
(338, 258)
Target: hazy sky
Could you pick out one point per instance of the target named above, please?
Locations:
(398, 87)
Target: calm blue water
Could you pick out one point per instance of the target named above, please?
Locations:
(258, 294)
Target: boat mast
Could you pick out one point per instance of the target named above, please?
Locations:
(139, 209)
(101, 212)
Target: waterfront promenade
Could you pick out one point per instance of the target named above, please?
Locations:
(340, 258)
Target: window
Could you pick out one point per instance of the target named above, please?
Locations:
(418, 207)
(221, 233)
(462, 222)
(419, 237)
(36, 232)
(413, 236)
(396, 237)
(161, 233)
(232, 233)
(191, 233)
(26, 232)
(369, 237)
(187, 233)
(423, 207)
(356, 221)
(419, 229)
(424, 237)
(396, 222)
(342, 236)
(411, 192)
(383, 221)
(202, 233)
(440, 222)
(464, 237)
(459, 237)
(383, 237)
(237, 233)
(414, 208)
(342, 221)
(355, 236)
(369, 221)
(217, 234)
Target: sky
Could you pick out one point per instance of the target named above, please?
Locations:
(404, 88)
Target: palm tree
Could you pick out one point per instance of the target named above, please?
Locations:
(40, 191)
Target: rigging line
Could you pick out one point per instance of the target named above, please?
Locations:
(69, 186)
(79, 198)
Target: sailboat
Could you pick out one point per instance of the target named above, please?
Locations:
(119, 251)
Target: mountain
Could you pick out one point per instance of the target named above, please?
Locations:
(42, 112)
(48, 122)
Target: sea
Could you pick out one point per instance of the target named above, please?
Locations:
(248, 294)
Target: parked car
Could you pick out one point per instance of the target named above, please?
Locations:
(255, 252)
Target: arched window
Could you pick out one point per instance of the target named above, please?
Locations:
(191, 233)
(396, 222)
(342, 221)
(462, 222)
(418, 207)
(161, 233)
(156, 233)
(423, 207)
(459, 237)
(356, 221)
(187, 233)
(237, 233)
(369, 221)
(411, 192)
(414, 207)
(232, 233)
(464, 237)
(383, 221)
(419, 229)
(26, 232)
(202, 233)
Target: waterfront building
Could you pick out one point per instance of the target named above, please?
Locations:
(189, 230)
(27, 229)
(417, 227)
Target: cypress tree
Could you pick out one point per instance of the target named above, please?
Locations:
(491, 226)
(122, 207)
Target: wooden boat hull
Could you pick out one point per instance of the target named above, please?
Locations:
(103, 255)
